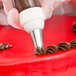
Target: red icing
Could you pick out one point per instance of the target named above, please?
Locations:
(20, 60)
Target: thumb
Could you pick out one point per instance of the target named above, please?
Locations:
(13, 18)
(48, 7)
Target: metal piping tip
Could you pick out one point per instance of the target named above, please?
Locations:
(37, 38)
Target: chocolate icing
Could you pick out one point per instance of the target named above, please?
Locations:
(73, 44)
(4, 46)
(1, 47)
(64, 46)
(74, 27)
(52, 49)
(39, 51)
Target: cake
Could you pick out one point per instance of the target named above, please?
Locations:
(20, 60)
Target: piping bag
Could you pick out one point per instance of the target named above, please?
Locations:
(32, 19)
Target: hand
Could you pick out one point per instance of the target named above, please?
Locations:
(50, 5)
(13, 15)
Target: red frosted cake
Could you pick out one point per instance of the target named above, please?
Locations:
(20, 60)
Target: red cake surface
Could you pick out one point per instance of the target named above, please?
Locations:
(20, 60)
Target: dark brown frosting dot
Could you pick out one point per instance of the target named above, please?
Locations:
(64, 46)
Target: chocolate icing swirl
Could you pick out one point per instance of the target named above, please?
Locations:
(52, 49)
(74, 27)
(64, 46)
(73, 44)
(39, 51)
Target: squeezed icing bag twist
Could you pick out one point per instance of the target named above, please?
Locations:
(47, 8)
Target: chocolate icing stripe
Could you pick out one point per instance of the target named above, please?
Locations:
(52, 49)
(61, 48)
(63, 43)
(68, 46)
(73, 43)
(64, 46)
(73, 47)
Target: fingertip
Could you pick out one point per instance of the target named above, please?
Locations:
(7, 5)
(48, 15)
(13, 18)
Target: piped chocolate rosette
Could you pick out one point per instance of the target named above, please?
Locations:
(64, 46)
(39, 51)
(73, 44)
(52, 49)
(74, 27)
